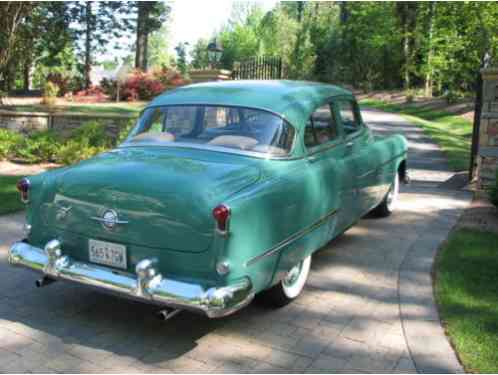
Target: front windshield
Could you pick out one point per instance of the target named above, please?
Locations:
(233, 128)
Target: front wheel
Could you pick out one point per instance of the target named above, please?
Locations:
(291, 286)
(388, 204)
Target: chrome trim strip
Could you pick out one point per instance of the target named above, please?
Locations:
(376, 170)
(206, 147)
(102, 220)
(291, 239)
(147, 284)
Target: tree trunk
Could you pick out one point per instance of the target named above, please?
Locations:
(407, 13)
(406, 57)
(430, 53)
(88, 43)
(27, 75)
(142, 36)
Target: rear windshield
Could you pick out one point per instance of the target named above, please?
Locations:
(231, 128)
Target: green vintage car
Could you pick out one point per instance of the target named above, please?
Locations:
(221, 191)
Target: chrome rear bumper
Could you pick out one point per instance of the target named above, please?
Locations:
(147, 284)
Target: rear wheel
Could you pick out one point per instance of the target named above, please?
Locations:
(388, 204)
(291, 286)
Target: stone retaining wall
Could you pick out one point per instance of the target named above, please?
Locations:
(62, 123)
(488, 133)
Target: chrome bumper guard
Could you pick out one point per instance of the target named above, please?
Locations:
(147, 284)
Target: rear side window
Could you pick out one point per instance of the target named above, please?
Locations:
(321, 127)
(349, 116)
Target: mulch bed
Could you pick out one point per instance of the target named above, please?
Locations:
(480, 215)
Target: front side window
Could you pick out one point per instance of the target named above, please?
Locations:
(233, 128)
(349, 116)
(321, 127)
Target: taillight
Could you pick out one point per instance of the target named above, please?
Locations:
(23, 186)
(221, 214)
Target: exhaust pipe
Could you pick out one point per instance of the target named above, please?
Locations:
(44, 281)
(167, 314)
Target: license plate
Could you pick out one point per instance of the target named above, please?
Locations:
(107, 253)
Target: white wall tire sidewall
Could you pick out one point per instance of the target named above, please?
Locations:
(296, 288)
(391, 206)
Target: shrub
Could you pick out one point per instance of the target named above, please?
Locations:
(109, 87)
(143, 86)
(76, 150)
(494, 192)
(50, 91)
(86, 141)
(124, 131)
(8, 142)
(38, 147)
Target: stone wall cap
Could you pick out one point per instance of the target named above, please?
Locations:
(93, 115)
(68, 114)
(488, 152)
(23, 114)
(488, 115)
(491, 72)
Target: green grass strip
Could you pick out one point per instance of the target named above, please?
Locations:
(452, 132)
(467, 294)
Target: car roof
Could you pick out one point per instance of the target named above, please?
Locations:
(293, 100)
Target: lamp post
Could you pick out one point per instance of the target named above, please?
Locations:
(215, 50)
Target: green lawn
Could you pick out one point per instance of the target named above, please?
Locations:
(9, 196)
(98, 108)
(452, 132)
(467, 294)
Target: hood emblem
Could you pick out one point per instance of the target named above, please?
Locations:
(109, 219)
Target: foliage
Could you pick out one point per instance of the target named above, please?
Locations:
(9, 196)
(452, 132)
(143, 86)
(38, 147)
(181, 59)
(86, 141)
(45, 146)
(466, 289)
(493, 194)
(150, 17)
(199, 55)
(50, 91)
(157, 51)
(369, 45)
(8, 143)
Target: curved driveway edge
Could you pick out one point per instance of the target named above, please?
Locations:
(425, 337)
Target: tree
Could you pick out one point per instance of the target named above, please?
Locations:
(158, 55)
(199, 54)
(12, 14)
(99, 22)
(181, 60)
(407, 14)
(150, 16)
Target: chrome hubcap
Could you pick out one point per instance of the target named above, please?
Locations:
(293, 274)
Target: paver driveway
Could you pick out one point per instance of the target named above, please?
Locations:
(367, 307)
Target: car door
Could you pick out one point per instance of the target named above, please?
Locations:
(325, 148)
(358, 139)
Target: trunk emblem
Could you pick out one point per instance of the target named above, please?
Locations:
(62, 212)
(109, 219)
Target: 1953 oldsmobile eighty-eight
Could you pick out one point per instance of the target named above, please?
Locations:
(220, 192)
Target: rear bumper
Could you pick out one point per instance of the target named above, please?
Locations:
(147, 284)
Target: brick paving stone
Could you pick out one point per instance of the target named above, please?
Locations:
(368, 300)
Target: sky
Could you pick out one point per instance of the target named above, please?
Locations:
(191, 20)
